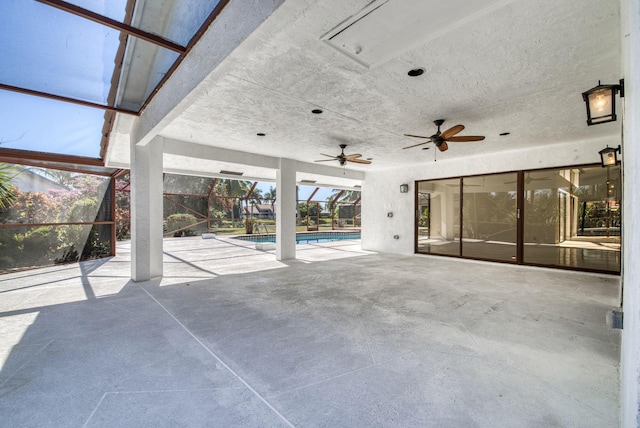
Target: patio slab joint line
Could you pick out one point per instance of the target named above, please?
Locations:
(213, 354)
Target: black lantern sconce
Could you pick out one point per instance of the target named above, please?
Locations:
(601, 102)
(609, 156)
(404, 188)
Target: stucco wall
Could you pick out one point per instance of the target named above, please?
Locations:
(381, 190)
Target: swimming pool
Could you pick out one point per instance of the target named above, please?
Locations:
(304, 237)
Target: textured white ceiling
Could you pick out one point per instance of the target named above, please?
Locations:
(518, 66)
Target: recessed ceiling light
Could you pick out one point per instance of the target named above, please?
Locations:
(316, 111)
(502, 134)
(261, 134)
(416, 72)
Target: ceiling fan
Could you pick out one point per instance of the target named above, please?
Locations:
(528, 180)
(343, 159)
(440, 139)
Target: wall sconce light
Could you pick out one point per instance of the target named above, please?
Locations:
(601, 102)
(404, 188)
(609, 156)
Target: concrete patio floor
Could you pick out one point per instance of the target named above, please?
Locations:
(341, 337)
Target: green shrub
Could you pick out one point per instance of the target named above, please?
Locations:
(84, 210)
(94, 247)
(38, 246)
(68, 256)
(7, 262)
(249, 224)
(179, 224)
(216, 217)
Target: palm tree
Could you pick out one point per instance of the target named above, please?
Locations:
(236, 189)
(270, 195)
(7, 191)
(345, 196)
(341, 196)
(256, 196)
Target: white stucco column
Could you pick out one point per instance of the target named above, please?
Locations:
(146, 210)
(630, 356)
(286, 215)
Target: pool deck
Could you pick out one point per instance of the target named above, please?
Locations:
(343, 337)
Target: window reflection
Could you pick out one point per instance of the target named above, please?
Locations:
(572, 218)
(489, 217)
(439, 217)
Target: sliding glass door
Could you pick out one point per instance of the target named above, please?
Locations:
(572, 218)
(490, 216)
(562, 217)
(438, 217)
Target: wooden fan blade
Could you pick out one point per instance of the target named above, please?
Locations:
(329, 156)
(326, 160)
(451, 131)
(465, 138)
(353, 156)
(416, 136)
(416, 145)
(359, 161)
(443, 147)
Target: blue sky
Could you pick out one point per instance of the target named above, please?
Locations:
(47, 50)
(303, 191)
(39, 124)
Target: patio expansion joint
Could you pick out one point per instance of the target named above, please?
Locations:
(150, 391)
(340, 375)
(217, 358)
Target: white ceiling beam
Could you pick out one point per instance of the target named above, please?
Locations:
(200, 151)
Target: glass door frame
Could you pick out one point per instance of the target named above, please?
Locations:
(520, 216)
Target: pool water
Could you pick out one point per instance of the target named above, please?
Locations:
(305, 238)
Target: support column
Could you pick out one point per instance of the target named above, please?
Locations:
(286, 215)
(146, 210)
(630, 352)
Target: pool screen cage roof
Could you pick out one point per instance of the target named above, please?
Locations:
(69, 66)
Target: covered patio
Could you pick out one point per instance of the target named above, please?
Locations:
(230, 336)
(201, 332)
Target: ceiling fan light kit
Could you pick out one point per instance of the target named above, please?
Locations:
(343, 159)
(440, 139)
